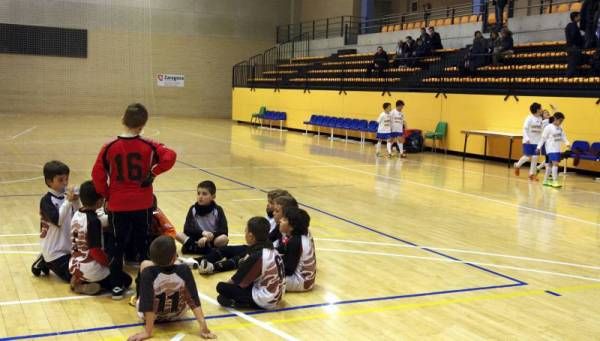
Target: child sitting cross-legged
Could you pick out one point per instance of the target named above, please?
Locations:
(260, 278)
(205, 224)
(167, 290)
(297, 249)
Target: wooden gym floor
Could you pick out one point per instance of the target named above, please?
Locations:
(427, 247)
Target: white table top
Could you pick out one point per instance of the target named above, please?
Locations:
(491, 133)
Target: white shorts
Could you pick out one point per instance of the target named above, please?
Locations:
(294, 283)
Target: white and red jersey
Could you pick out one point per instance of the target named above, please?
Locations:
(397, 121)
(88, 261)
(262, 269)
(553, 137)
(55, 225)
(532, 129)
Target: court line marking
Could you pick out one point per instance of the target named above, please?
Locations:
(261, 312)
(532, 259)
(16, 245)
(178, 337)
(351, 222)
(437, 259)
(19, 252)
(52, 299)
(251, 319)
(252, 199)
(19, 234)
(470, 195)
(20, 180)
(28, 130)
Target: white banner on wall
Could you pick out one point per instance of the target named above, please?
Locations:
(169, 80)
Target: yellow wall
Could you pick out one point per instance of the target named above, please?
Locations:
(423, 111)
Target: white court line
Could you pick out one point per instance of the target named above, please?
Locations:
(532, 259)
(21, 180)
(19, 234)
(447, 260)
(15, 245)
(54, 299)
(22, 133)
(470, 195)
(19, 252)
(261, 324)
(178, 337)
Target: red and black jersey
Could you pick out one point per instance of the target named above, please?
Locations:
(121, 167)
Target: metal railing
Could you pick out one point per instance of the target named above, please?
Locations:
(319, 29)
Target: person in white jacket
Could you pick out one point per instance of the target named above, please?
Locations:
(532, 132)
(384, 130)
(553, 137)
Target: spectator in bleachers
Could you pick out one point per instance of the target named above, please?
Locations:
(506, 46)
(380, 62)
(476, 56)
(574, 44)
(399, 56)
(499, 8)
(425, 37)
(409, 47)
(436, 40)
(494, 44)
(596, 62)
(423, 49)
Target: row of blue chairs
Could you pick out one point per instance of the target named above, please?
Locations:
(341, 123)
(272, 116)
(584, 151)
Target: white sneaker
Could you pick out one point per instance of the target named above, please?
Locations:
(191, 262)
(206, 267)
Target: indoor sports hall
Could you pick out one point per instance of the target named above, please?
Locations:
(462, 235)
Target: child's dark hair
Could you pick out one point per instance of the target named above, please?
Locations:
(271, 195)
(285, 201)
(135, 116)
(535, 107)
(259, 227)
(574, 15)
(54, 168)
(551, 119)
(386, 105)
(298, 219)
(163, 251)
(209, 185)
(399, 103)
(88, 195)
(558, 116)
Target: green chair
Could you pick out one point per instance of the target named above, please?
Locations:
(438, 135)
(258, 116)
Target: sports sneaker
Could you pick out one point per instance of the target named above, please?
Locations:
(226, 302)
(556, 184)
(39, 267)
(533, 177)
(547, 183)
(206, 267)
(403, 155)
(118, 293)
(87, 288)
(378, 154)
(517, 169)
(191, 262)
(133, 301)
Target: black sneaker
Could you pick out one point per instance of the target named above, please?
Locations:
(226, 302)
(118, 293)
(39, 267)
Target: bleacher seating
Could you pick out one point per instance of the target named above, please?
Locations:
(271, 116)
(343, 123)
(538, 66)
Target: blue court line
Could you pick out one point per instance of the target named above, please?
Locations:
(553, 293)
(263, 312)
(361, 226)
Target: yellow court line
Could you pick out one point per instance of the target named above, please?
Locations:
(397, 307)
(413, 305)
